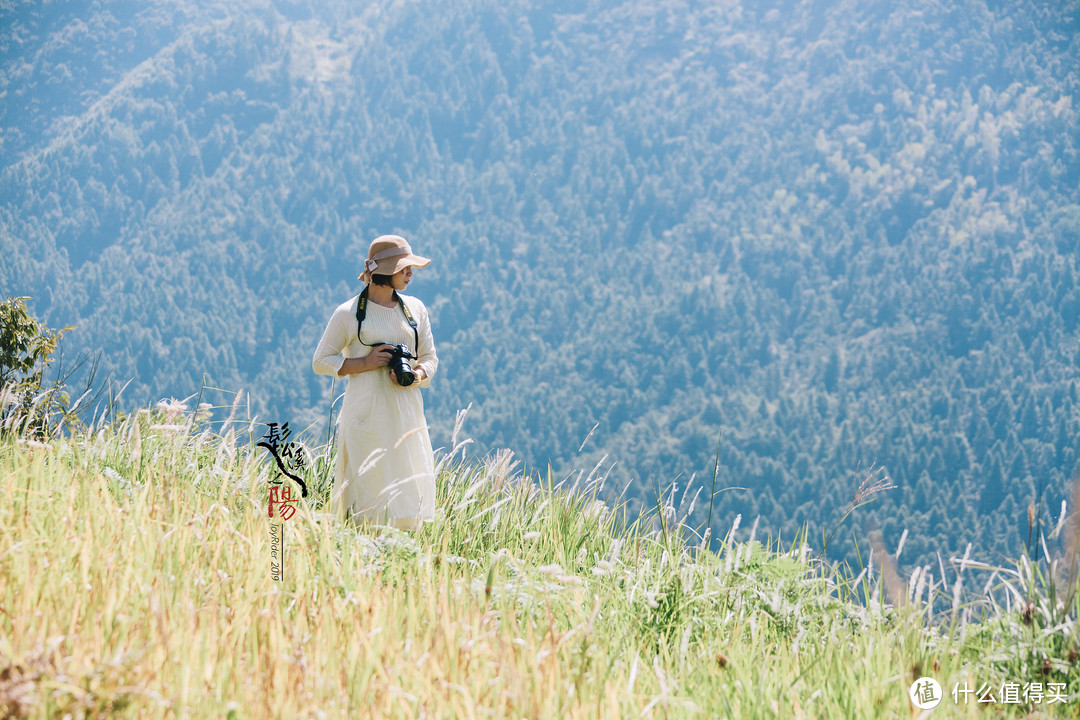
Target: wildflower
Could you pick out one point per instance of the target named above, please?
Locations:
(1028, 612)
(874, 481)
(532, 535)
(669, 515)
(114, 476)
(168, 428)
(603, 567)
(553, 569)
(172, 408)
(597, 511)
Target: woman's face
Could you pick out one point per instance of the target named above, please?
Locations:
(401, 278)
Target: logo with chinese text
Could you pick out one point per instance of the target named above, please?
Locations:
(925, 693)
(275, 440)
(287, 455)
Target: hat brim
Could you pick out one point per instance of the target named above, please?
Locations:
(393, 265)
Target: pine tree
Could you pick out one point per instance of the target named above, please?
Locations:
(993, 489)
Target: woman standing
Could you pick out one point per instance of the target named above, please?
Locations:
(385, 469)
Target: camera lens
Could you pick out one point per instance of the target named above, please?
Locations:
(403, 370)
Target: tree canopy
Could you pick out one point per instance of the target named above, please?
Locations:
(830, 234)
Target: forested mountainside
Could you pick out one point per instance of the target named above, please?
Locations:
(836, 233)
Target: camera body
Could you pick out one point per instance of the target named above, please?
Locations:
(399, 363)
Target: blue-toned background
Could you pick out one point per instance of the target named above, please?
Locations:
(840, 233)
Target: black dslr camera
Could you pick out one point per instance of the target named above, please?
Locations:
(399, 363)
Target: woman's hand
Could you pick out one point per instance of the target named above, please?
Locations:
(378, 357)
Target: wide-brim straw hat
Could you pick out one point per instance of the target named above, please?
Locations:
(389, 254)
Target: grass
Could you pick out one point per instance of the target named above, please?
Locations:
(135, 582)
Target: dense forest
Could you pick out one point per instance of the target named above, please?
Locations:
(819, 236)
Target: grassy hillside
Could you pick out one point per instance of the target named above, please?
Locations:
(835, 233)
(135, 581)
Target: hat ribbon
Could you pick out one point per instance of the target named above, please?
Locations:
(391, 252)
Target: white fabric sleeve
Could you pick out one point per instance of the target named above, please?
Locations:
(426, 356)
(328, 359)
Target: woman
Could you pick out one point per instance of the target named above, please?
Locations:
(385, 469)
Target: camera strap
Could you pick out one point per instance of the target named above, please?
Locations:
(361, 313)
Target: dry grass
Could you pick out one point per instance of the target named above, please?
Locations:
(135, 582)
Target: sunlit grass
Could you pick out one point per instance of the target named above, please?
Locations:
(135, 582)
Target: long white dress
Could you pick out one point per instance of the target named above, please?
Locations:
(385, 468)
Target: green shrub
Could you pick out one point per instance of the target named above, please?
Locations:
(26, 349)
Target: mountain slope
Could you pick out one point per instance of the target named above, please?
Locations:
(840, 233)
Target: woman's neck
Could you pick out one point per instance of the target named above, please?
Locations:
(382, 295)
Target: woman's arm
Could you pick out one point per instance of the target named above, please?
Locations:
(427, 360)
(335, 338)
(377, 358)
(327, 359)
